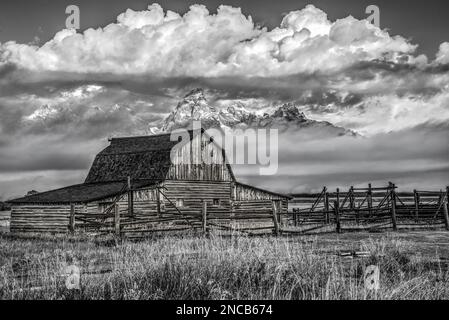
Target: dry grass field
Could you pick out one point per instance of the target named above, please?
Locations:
(413, 265)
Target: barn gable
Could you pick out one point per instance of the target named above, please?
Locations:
(149, 158)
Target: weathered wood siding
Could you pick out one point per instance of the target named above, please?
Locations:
(253, 208)
(250, 214)
(52, 218)
(228, 205)
(170, 217)
(194, 193)
(200, 159)
(242, 192)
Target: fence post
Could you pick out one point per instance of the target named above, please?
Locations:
(446, 209)
(393, 206)
(158, 202)
(204, 217)
(72, 218)
(338, 196)
(351, 198)
(117, 221)
(370, 200)
(337, 215)
(295, 219)
(416, 197)
(130, 198)
(352, 205)
(275, 219)
(326, 205)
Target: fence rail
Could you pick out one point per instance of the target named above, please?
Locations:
(368, 208)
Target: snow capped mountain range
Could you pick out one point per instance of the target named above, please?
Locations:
(286, 117)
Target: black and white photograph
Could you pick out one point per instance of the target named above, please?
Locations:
(224, 154)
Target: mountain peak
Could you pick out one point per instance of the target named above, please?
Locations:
(290, 112)
(196, 93)
(194, 106)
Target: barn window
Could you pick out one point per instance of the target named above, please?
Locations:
(212, 153)
(216, 202)
(179, 203)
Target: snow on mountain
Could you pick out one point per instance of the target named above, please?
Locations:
(194, 106)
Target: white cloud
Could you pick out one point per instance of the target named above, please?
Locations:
(310, 18)
(443, 54)
(201, 44)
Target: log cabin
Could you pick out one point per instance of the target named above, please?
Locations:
(151, 183)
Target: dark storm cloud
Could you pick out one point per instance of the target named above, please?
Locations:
(7, 69)
(36, 159)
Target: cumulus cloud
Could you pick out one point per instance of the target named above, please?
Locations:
(443, 54)
(201, 44)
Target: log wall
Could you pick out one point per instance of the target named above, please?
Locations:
(52, 218)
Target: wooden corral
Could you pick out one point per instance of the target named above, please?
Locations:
(371, 208)
(142, 185)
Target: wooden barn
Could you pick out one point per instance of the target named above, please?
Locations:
(146, 184)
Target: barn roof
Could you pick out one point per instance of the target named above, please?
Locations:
(144, 157)
(82, 193)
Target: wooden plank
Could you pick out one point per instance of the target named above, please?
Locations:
(204, 217)
(393, 206)
(158, 202)
(416, 199)
(326, 206)
(72, 219)
(337, 216)
(445, 209)
(370, 199)
(117, 221)
(275, 220)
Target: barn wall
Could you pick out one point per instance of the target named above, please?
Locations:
(144, 203)
(251, 209)
(146, 216)
(52, 218)
(242, 192)
(190, 162)
(194, 193)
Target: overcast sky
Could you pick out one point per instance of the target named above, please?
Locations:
(63, 93)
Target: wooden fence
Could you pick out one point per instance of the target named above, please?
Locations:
(248, 217)
(371, 208)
